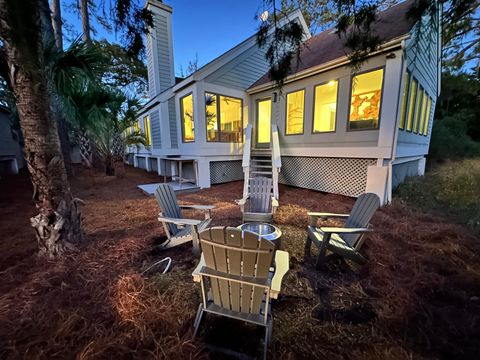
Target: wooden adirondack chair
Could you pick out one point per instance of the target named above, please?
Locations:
(344, 241)
(259, 205)
(236, 277)
(178, 229)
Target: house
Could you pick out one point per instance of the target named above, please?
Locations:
(329, 129)
(11, 156)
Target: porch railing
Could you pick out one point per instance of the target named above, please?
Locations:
(276, 159)
(246, 158)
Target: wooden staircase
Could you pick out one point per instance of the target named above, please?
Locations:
(261, 162)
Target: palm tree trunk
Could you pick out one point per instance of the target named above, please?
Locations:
(58, 224)
(85, 20)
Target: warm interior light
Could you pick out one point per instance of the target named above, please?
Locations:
(331, 82)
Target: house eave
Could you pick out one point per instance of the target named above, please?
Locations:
(390, 45)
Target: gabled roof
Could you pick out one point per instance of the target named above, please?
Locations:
(327, 46)
(237, 50)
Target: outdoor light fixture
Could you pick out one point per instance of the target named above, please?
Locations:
(275, 97)
(264, 16)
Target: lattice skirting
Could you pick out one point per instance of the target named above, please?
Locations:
(401, 171)
(142, 164)
(225, 171)
(346, 176)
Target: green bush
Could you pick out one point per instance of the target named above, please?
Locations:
(451, 189)
(450, 140)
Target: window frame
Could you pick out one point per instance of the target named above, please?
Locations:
(304, 89)
(414, 103)
(336, 107)
(182, 119)
(381, 98)
(147, 129)
(217, 105)
(418, 109)
(403, 118)
(428, 115)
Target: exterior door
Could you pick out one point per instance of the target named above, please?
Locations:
(264, 117)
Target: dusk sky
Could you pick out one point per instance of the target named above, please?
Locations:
(206, 27)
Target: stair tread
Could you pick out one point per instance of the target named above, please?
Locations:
(260, 172)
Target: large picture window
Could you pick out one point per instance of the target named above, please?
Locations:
(365, 101)
(295, 111)
(325, 107)
(223, 116)
(147, 131)
(188, 123)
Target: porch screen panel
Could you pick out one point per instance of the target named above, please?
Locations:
(365, 101)
(325, 107)
(188, 123)
(295, 111)
(411, 104)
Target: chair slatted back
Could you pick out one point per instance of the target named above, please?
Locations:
(167, 200)
(360, 216)
(242, 255)
(260, 195)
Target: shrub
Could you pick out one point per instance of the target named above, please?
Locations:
(450, 140)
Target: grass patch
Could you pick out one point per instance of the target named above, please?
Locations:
(451, 189)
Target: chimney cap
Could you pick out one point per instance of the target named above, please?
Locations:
(158, 4)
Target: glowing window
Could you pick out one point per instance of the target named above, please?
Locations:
(136, 127)
(423, 113)
(223, 115)
(411, 104)
(188, 123)
(418, 109)
(366, 100)
(264, 113)
(428, 115)
(146, 127)
(325, 107)
(404, 101)
(295, 111)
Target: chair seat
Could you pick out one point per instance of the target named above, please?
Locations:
(187, 230)
(257, 217)
(336, 241)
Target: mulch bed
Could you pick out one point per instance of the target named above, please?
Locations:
(418, 296)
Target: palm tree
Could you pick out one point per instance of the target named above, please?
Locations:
(115, 133)
(22, 24)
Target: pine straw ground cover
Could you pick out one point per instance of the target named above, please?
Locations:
(418, 297)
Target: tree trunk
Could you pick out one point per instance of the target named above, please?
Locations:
(85, 20)
(109, 166)
(57, 23)
(119, 168)
(58, 224)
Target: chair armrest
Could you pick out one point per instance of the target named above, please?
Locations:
(314, 216)
(338, 230)
(281, 267)
(274, 202)
(179, 221)
(198, 207)
(196, 273)
(242, 201)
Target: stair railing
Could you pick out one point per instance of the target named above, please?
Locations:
(246, 158)
(276, 159)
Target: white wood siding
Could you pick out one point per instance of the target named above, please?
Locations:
(155, 129)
